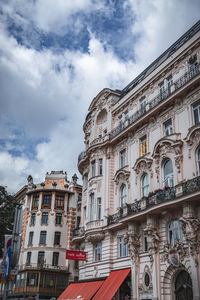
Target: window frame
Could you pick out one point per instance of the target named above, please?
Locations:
(28, 258)
(168, 126)
(33, 219)
(93, 168)
(92, 207)
(145, 187)
(143, 145)
(123, 195)
(58, 218)
(43, 237)
(196, 107)
(44, 218)
(179, 232)
(55, 259)
(123, 248)
(100, 166)
(98, 252)
(198, 160)
(30, 238)
(169, 177)
(46, 200)
(57, 238)
(99, 205)
(41, 254)
(59, 201)
(122, 154)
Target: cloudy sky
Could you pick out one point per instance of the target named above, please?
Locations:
(55, 56)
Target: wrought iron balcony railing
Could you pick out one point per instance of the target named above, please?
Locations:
(78, 232)
(157, 197)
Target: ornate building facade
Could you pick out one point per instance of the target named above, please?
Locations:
(51, 212)
(141, 181)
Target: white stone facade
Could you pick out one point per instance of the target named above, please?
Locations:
(141, 183)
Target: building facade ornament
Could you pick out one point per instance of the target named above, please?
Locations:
(143, 165)
(193, 138)
(174, 255)
(153, 240)
(191, 228)
(132, 239)
(122, 175)
(146, 286)
(95, 238)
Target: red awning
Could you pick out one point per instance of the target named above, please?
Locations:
(111, 284)
(81, 291)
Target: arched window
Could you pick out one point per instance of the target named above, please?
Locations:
(145, 185)
(198, 161)
(123, 195)
(183, 286)
(168, 173)
(175, 232)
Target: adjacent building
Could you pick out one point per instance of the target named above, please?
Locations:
(140, 217)
(51, 212)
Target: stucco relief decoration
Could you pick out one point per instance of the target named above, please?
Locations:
(122, 176)
(132, 239)
(174, 255)
(193, 138)
(153, 240)
(146, 284)
(162, 150)
(141, 166)
(95, 237)
(191, 229)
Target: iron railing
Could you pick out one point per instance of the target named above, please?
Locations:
(78, 232)
(157, 197)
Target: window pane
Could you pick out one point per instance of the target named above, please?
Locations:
(43, 237)
(59, 201)
(44, 218)
(92, 207)
(58, 219)
(40, 257)
(57, 238)
(55, 258)
(175, 232)
(168, 173)
(145, 185)
(99, 208)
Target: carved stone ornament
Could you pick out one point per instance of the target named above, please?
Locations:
(143, 165)
(191, 228)
(193, 138)
(122, 175)
(146, 285)
(133, 240)
(95, 237)
(153, 239)
(174, 255)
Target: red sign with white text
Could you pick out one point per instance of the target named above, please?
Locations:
(76, 255)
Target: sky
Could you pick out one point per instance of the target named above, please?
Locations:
(56, 56)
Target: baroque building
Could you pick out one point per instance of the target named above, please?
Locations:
(51, 212)
(141, 182)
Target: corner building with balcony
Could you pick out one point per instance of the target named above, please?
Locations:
(141, 181)
(51, 212)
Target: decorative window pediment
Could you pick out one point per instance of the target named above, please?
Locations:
(165, 146)
(193, 138)
(122, 175)
(143, 165)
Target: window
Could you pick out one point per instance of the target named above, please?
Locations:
(28, 259)
(35, 201)
(174, 232)
(33, 215)
(43, 235)
(168, 127)
(32, 279)
(196, 111)
(98, 252)
(46, 200)
(145, 242)
(122, 158)
(123, 195)
(85, 213)
(169, 84)
(59, 201)
(58, 219)
(100, 166)
(92, 207)
(193, 66)
(57, 238)
(93, 168)
(168, 173)
(120, 121)
(78, 221)
(99, 208)
(145, 185)
(123, 249)
(44, 218)
(143, 145)
(40, 257)
(30, 240)
(55, 259)
(126, 115)
(198, 161)
(162, 90)
(143, 105)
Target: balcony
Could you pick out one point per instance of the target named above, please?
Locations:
(94, 224)
(155, 198)
(178, 84)
(78, 233)
(81, 156)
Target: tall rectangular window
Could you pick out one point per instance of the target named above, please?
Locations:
(30, 240)
(98, 252)
(122, 158)
(93, 166)
(168, 127)
(196, 111)
(55, 259)
(43, 235)
(123, 249)
(46, 201)
(143, 145)
(100, 166)
(35, 201)
(59, 201)
(120, 121)
(28, 259)
(33, 215)
(99, 208)
(92, 207)
(41, 257)
(44, 218)
(143, 105)
(57, 238)
(145, 242)
(58, 219)
(32, 279)
(162, 90)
